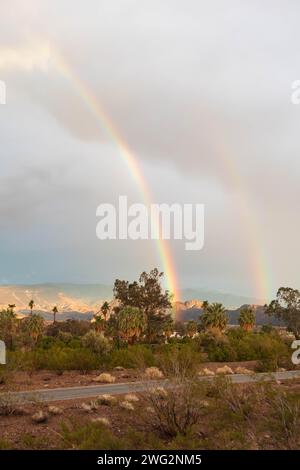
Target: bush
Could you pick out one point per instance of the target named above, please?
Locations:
(136, 356)
(178, 410)
(58, 359)
(285, 419)
(153, 373)
(91, 436)
(96, 342)
(5, 445)
(180, 360)
(240, 345)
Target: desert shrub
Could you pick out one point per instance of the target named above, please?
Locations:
(5, 445)
(284, 419)
(239, 401)
(91, 436)
(46, 342)
(180, 360)
(218, 347)
(34, 442)
(178, 410)
(239, 345)
(10, 404)
(4, 374)
(267, 365)
(65, 337)
(267, 329)
(135, 356)
(96, 436)
(60, 359)
(96, 342)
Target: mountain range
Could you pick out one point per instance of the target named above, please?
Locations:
(83, 300)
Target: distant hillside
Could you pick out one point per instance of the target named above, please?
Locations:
(71, 298)
(187, 311)
(229, 300)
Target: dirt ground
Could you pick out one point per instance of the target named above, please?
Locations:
(50, 379)
(21, 381)
(23, 433)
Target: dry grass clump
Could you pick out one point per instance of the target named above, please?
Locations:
(92, 406)
(101, 420)
(10, 405)
(105, 377)
(55, 410)
(225, 370)
(207, 372)
(153, 373)
(131, 397)
(126, 405)
(106, 399)
(39, 417)
(243, 370)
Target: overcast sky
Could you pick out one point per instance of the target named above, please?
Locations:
(200, 90)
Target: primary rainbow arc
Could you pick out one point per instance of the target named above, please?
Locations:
(105, 122)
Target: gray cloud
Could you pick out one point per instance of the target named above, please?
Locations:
(201, 92)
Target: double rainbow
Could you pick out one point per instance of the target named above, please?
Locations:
(41, 54)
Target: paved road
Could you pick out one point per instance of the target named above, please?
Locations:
(71, 393)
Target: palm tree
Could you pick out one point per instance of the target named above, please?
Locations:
(99, 323)
(191, 328)
(168, 327)
(214, 316)
(247, 318)
(34, 326)
(105, 310)
(55, 311)
(31, 305)
(131, 323)
(11, 307)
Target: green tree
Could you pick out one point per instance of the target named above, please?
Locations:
(214, 317)
(8, 327)
(31, 305)
(286, 307)
(247, 318)
(148, 296)
(55, 311)
(132, 323)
